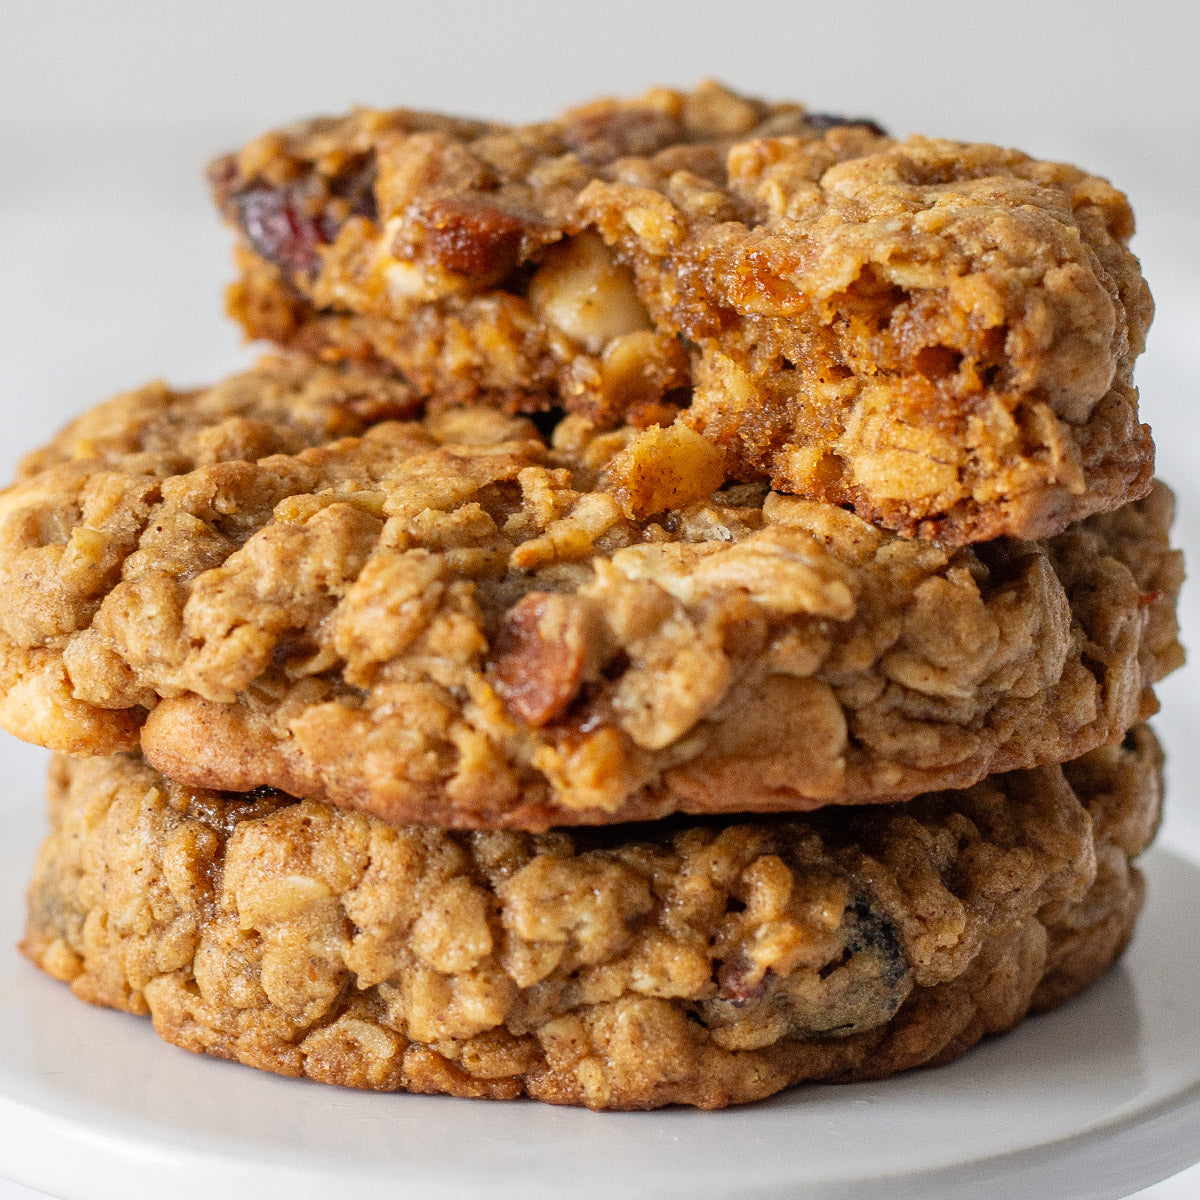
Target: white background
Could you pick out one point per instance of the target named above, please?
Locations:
(111, 263)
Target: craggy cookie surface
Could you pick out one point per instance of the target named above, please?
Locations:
(448, 621)
(694, 963)
(940, 334)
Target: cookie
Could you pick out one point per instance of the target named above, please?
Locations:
(450, 621)
(940, 334)
(689, 962)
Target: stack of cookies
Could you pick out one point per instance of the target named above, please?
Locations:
(673, 618)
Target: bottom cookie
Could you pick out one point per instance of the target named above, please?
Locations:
(694, 962)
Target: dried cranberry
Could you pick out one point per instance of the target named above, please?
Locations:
(734, 986)
(278, 230)
(541, 656)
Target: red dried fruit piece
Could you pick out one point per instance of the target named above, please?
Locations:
(541, 656)
(371, 410)
(279, 231)
(733, 980)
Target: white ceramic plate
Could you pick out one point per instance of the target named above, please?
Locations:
(1091, 1102)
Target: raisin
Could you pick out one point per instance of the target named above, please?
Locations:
(872, 929)
(823, 121)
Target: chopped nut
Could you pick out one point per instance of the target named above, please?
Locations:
(638, 370)
(583, 292)
(542, 655)
(473, 238)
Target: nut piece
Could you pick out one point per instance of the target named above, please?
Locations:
(473, 238)
(542, 654)
(579, 289)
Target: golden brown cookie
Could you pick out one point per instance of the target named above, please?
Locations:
(449, 621)
(704, 963)
(940, 334)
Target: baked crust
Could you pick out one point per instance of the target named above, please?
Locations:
(449, 621)
(940, 334)
(704, 963)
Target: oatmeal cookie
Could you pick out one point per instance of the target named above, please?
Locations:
(940, 334)
(450, 621)
(689, 962)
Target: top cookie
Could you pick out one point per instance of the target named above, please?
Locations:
(271, 583)
(940, 334)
